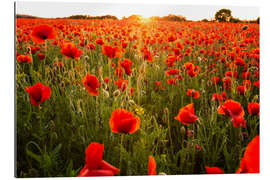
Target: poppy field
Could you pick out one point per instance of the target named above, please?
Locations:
(136, 97)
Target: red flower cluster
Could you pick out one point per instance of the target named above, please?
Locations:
(24, 59)
(193, 93)
(110, 51)
(126, 65)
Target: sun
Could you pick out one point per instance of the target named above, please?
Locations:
(144, 19)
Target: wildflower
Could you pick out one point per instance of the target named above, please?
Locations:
(91, 83)
(213, 170)
(38, 93)
(193, 93)
(94, 165)
(152, 166)
(254, 108)
(24, 59)
(235, 111)
(70, 50)
(122, 121)
(126, 65)
(186, 115)
(250, 162)
(42, 33)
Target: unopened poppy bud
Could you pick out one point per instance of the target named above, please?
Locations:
(86, 58)
(131, 102)
(105, 93)
(166, 110)
(162, 173)
(183, 130)
(52, 125)
(116, 93)
(104, 86)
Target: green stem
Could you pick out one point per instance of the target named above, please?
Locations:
(121, 146)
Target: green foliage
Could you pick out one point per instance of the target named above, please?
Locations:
(223, 15)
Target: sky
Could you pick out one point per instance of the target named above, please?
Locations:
(191, 12)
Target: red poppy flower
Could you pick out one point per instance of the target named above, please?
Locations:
(38, 93)
(250, 162)
(118, 72)
(257, 83)
(159, 85)
(193, 93)
(213, 170)
(219, 98)
(91, 83)
(172, 72)
(91, 46)
(189, 66)
(241, 90)
(227, 83)
(147, 56)
(70, 50)
(110, 51)
(94, 165)
(215, 80)
(41, 33)
(99, 41)
(152, 166)
(191, 73)
(186, 115)
(231, 108)
(122, 121)
(254, 108)
(122, 84)
(24, 59)
(172, 81)
(41, 56)
(235, 111)
(126, 65)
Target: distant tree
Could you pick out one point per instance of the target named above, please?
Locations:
(204, 20)
(223, 15)
(172, 17)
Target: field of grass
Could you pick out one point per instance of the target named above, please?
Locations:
(146, 68)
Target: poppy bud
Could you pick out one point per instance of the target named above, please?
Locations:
(86, 58)
(105, 93)
(162, 173)
(131, 102)
(116, 93)
(183, 130)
